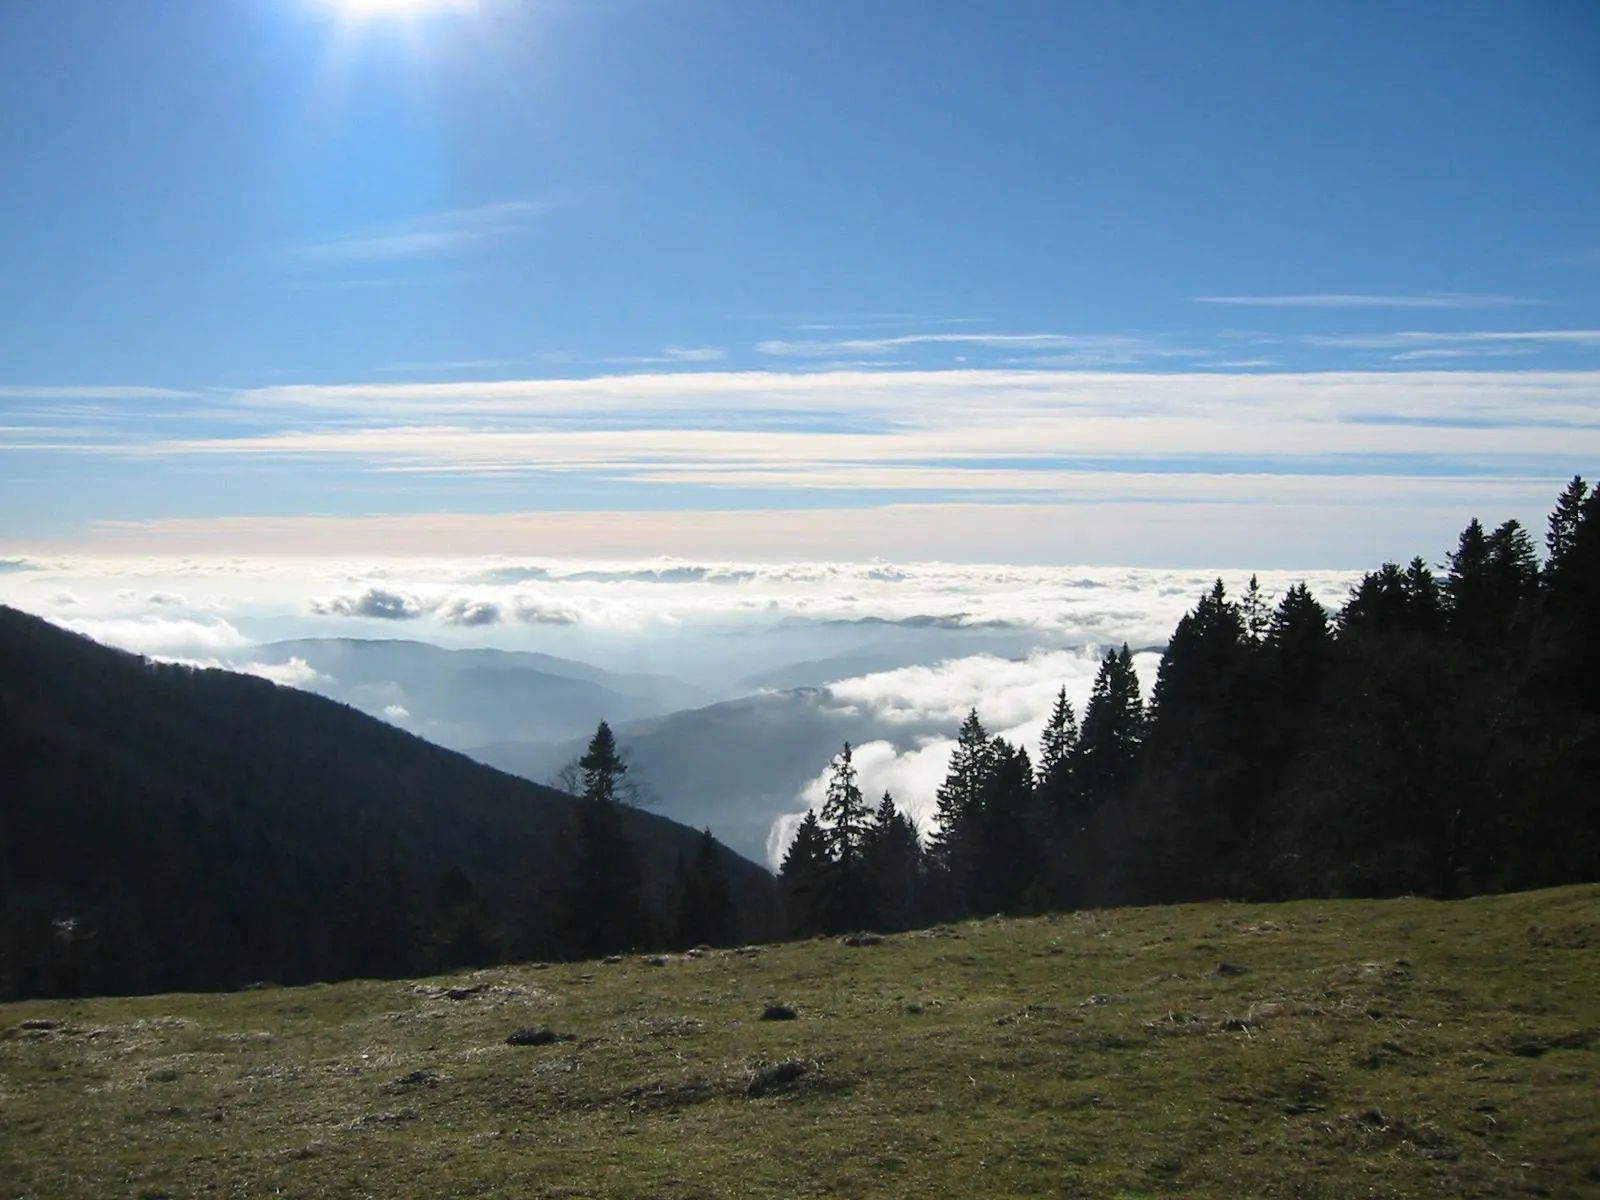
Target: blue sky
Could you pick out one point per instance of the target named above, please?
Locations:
(1263, 284)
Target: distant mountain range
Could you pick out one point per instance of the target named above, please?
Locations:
(734, 767)
(462, 698)
(163, 827)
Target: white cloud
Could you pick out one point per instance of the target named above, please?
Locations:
(1013, 699)
(1212, 520)
(378, 603)
(396, 712)
(1003, 433)
(1104, 347)
(296, 673)
(157, 636)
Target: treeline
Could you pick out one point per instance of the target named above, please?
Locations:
(164, 828)
(1438, 736)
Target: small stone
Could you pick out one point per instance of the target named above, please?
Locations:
(536, 1036)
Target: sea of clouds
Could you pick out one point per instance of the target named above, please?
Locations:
(1001, 639)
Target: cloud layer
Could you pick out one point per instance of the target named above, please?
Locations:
(1013, 698)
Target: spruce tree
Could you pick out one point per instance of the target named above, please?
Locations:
(605, 907)
(958, 801)
(804, 877)
(1562, 529)
(1113, 729)
(1007, 846)
(1058, 745)
(894, 867)
(705, 909)
(845, 821)
(1257, 613)
(1297, 644)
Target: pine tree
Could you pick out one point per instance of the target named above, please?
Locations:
(1257, 613)
(1206, 652)
(602, 766)
(1562, 528)
(845, 821)
(894, 867)
(958, 801)
(804, 877)
(1058, 745)
(1113, 729)
(605, 908)
(705, 909)
(1298, 643)
(1007, 844)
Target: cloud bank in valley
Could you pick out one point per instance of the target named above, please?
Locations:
(135, 603)
(1013, 698)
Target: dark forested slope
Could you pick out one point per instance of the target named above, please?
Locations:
(168, 828)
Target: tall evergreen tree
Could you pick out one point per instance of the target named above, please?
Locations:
(845, 819)
(1113, 729)
(1204, 655)
(894, 868)
(1298, 643)
(1256, 611)
(1007, 844)
(602, 766)
(1562, 529)
(1058, 745)
(959, 798)
(705, 910)
(805, 876)
(605, 909)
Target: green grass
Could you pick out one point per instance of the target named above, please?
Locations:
(1388, 1049)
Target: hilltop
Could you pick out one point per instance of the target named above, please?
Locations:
(1310, 1049)
(171, 828)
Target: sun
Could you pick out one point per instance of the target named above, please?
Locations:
(398, 8)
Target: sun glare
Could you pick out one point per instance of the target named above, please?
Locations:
(378, 8)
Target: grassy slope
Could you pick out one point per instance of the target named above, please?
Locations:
(1401, 1048)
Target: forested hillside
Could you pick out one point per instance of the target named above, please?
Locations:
(1438, 736)
(167, 828)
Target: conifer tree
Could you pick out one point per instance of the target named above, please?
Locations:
(804, 877)
(894, 867)
(1113, 729)
(1562, 528)
(602, 766)
(1297, 643)
(605, 908)
(1059, 744)
(958, 801)
(1057, 804)
(1204, 655)
(845, 821)
(1424, 600)
(705, 909)
(1007, 846)
(1256, 612)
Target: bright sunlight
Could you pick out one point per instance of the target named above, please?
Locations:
(377, 8)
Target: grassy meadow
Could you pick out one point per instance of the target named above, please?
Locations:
(1318, 1049)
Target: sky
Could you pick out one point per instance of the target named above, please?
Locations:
(1237, 285)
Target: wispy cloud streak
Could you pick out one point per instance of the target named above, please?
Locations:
(430, 235)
